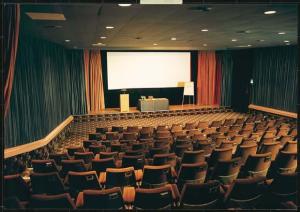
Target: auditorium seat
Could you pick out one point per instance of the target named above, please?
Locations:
(112, 136)
(244, 151)
(120, 177)
(72, 165)
(131, 136)
(164, 159)
(219, 139)
(216, 124)
(118, 147)
(156, 176)
(290, 146)
(162, 128)
(228, 122)
(88, 143)
(180, 149)
(95, 136)
(229, 144)
(286, 162)
(190, 157)
(200, 136)
(139, 146)
(159, 150)
(191, 173)
(47, 183)
(239, 121)
(180, 141)
(204, 145)
(223, 129)
(103, 155)
(231, 133)
(147, 130)
(134, 152)
(161, 143)
(100, 165)
(176, 127)
(118, 129)
(245, 193)
(133, 161)
(202, 125)
(15, 186)
(87, 157)
(201, 196)
(72, 149)
(190, 125)
(107, 199)
(44, 166)
(219, 154)
(236, 127)
(134, 129)
(270, 147)
(96, 149)
(58, 157)
(101, 130)
(58, 201)
(257, 165)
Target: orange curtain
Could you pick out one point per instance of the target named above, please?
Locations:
(93, 81)
(12, 59)
(206, 77)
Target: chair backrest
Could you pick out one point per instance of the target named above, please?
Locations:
(258, 164)
(163, 134)
(155, 176)
(290, 146)
(147, 129)
(112, 136)
(104, 155)
(223, 129)
(161, 143)
(236, 127)
(134, 152)
(162, 128)
(203, 124)
(80, 181)
(191, 173)
(161, 150)
(138, 146)
(95, 136)
(63, 201)
(96, 149)
(190, 157)
(270, 147)
(72, 149)
(286, 162)
(101, 130)
(118, 129)
(244, 151)
(120, 177)
(133, 161)
(239, 121)
(219, 139)
(14, 185)
(44, 166)
(154, 198)
(228, 122)
(88, 143)
(72, 165)
(226, 171)
(163, 159)
(204, 145)
(180, 149)
(200, 136)
(130, 136)
(216, 124)
(118, 147)
(58, 157)
(48, 183)
(100, 165)
(87, 157)
(285, 186)
(220, 154)
(103, 199)
(133, 129)
(200, 196)
(184, 141)
(237, 139)
(190, 125)
(176, 127)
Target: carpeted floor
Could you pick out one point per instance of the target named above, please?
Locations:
(80, 130)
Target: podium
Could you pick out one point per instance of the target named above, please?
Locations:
(124, 102)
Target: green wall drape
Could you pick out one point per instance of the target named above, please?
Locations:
(275, 77)
(48, 87)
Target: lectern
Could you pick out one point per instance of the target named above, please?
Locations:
(124, 102)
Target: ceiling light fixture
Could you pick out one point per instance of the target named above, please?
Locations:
(244, 45)
(109, 27)
(234, 40)
(204, 30)
(67, 41)
(155, 44)
(286, 41)
(103, 37)
(260, 40)
(173, 38)
(204, 44)
(124, 5)
(98, 44)
(281, 33)
(287, 44)
(269, 12)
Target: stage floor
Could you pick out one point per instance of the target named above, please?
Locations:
(171, 107)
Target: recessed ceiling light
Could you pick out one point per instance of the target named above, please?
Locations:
(103, 37)
(286, 41)
(244, 45)
(124, 5)
(281, 33)
(249, 45)
(269, 12)
(67, 41)
(233, 40)
(98, 44)
(155, 44)
(173, 38)
(287, 44)
(109, 27)
(260, 40)
(204, 44)
(204, 30)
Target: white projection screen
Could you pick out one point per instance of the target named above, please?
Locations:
(147, 69)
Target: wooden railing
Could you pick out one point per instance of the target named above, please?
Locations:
(10, 152)
(273, 111)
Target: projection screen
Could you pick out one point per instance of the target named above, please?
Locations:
(147, 69)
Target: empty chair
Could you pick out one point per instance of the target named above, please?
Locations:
(229, 144)
(200, 136)
(284, 139)
(138, 146)
(137, 162)
(107, 199)
(120, 177)
(153, 198)
(101, 130)
(44, 166)
(248, 126)
(118, 129)
(190, 125)
(179, 134)
(228, 122)
(202, 124)
(182, 142)
(226, 171)
(96, 149)
(236, 127)
(58, 157)
(208, 131)
(223, 129)
(134, 152)
(245, 133)
(231, 133)
(145, 135)
(80, 181)
(15, 186)
(286, 162)
(190, 157)
(72, 165)
(162, 150)
(201, 196)
(100, 165)
(270, 147)
(237, 139)
(58, 201)
(248, 141)
(118, 147)
(245, 193)
(282, 132)
(163, 134)
(72, 150)
(47, 183)
(257, 165)
(239, 121)
(87, 157)
(290, 146)
(176, 127)
(134, 129)
(164, 159)
(147, 129)
(219, 154)
(161, 143)
(204, 145)
(191, 173)
(131, 136)
(112, 136)
(244, 151)
(88, 143)
(216, 124)
(95, 136)
(180, 149)
(267, 139)
(293, 132)
(162, 128)
(103, 155)
(219, 139)
(156, 176)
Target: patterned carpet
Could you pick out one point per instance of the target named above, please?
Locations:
(80, 130)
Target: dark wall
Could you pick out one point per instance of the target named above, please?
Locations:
(112, 97)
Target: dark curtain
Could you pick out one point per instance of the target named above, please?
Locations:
(217, 98)
(275, 77)
(48, 87)
(225, 60)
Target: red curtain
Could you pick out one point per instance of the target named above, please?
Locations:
(9, 60)
(93, 81)
(206, 78)
(218, 82)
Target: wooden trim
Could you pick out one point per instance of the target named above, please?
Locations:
(274, 111)
(10, 152)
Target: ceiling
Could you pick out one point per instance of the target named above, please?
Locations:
(138, 27)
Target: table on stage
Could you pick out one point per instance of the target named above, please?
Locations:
(155, 104)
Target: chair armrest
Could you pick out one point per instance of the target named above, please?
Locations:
(173, 173)
(128, 194)
(138, 174)
(102, 178)
(79, 200)
(97, 156)
(175, 192)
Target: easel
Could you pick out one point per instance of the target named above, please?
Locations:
(188, 91)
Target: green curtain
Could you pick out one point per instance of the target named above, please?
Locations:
(226, 61)
(275, 77)
(48, 87)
